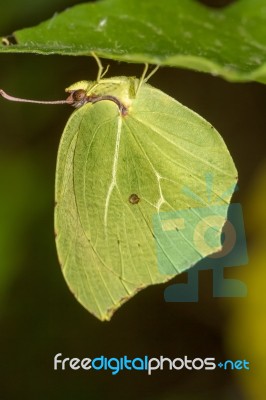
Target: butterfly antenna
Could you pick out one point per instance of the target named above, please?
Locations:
(12, 98)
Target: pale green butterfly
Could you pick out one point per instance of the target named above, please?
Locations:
(125, 156)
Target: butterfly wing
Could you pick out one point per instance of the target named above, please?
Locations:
(108, 245)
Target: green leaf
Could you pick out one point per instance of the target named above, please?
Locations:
(184, 33)
(123, 176)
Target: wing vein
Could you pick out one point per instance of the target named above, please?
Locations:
(114, 170)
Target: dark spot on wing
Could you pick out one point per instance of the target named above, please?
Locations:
(134, 198)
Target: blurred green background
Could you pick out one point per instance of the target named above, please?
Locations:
(39, 317)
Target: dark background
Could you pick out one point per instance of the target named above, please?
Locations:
(39, 317)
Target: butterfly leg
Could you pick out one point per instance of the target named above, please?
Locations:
(101, 71)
